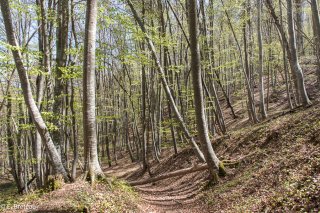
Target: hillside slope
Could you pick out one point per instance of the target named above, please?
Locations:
(276, 167)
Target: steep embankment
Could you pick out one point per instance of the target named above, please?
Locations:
(276, 167)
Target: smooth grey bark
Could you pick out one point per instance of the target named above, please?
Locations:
(54, 157)
(165, 83)
(212, 160)
(294, 56)
(316, 32)
(92, 165)
(261, 79)
(299, 26)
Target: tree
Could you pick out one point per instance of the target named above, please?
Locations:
(316, 32)
(92, 165)
(299, 26)
(54, 157)
(261, 79)
(294, 57)
(59, 85)
(212, 160)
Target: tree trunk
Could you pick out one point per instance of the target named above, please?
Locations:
(61, 46)
(299, 25)
(316, 32)
(261, 79)
(202, 126)
(92, 166)
(294, 55)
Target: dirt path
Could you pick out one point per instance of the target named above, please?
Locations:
(180, 194)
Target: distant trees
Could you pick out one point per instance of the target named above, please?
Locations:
(290, 47)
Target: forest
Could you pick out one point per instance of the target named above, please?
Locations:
(159, 106)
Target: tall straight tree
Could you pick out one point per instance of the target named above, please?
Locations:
(92, 165)
(212, 160)
(261, 84)
(41, 127)
(61, 59)
(316, 32)
(299, 25)
(294, 57)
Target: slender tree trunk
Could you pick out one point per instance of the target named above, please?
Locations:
(143, 104)
(74, 134)
(316, 32)
(299, 26)
(212, 160)
(261, 79)
(59, 86)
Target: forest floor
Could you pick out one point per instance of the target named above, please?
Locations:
(277, 169)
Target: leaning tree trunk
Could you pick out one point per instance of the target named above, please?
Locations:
(294, 56)
(92, 165)
(41, 127)
(212, 160)
(165, 83)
